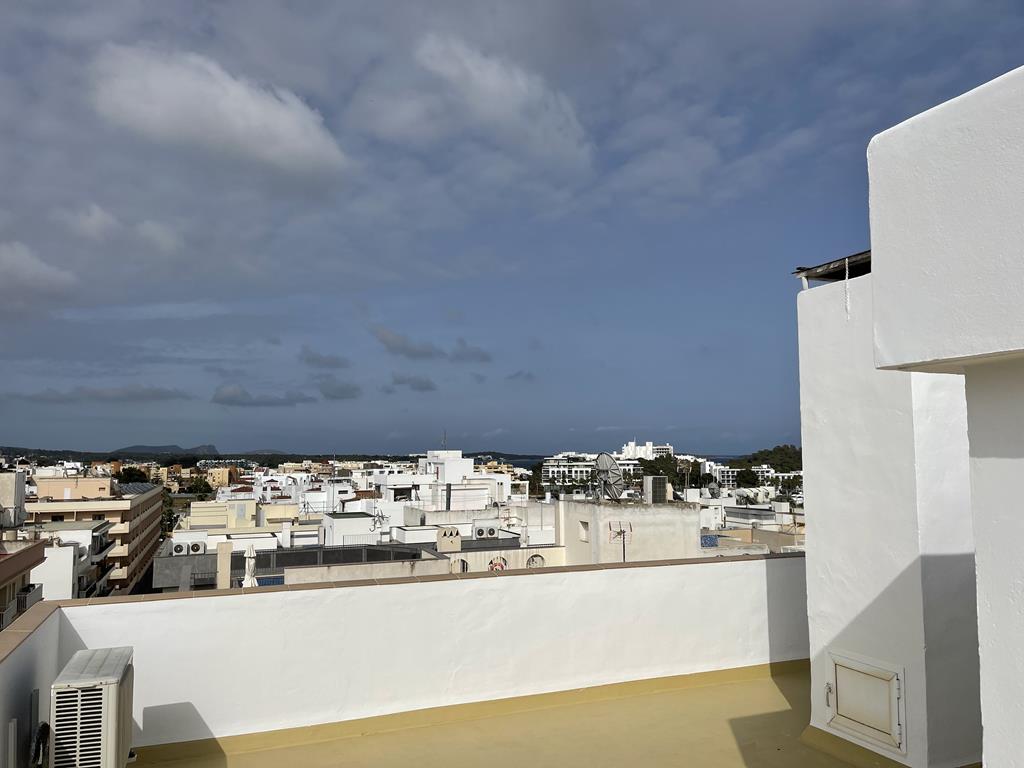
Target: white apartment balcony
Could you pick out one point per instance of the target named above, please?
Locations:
(647, 663)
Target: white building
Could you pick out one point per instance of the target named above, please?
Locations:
(648, 450)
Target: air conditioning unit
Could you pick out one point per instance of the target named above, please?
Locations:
(486, 532)
(179, 548)
(91, 710)
(197, 548)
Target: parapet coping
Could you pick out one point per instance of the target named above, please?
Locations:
(34, 617)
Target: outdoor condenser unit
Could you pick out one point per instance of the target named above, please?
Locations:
(91, 710)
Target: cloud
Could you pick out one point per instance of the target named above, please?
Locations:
(132, 393)
(315, 359)
(415, 383)
(92, 222)
(521, 376)
(26, 279)
(224, 372)
(455, 90)
(479, 378)
(334, 389)
(159, 235)
(494, 432)
(466, 353)
(403, 346)
(501, 97)
(178, 98)
(237, 395)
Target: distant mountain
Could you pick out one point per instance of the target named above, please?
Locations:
(166, 450)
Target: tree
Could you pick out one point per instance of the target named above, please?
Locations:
(747, 478)
(536, 479)
(199, 487)
(131, 475)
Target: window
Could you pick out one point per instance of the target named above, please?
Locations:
(535, 561)
(460, 566)
(56, 518)
(98, 516)
(584, 530)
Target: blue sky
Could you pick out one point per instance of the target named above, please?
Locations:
(348, 227)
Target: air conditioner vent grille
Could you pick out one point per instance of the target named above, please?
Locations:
(78, 728)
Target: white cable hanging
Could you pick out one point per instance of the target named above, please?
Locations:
(846, 285)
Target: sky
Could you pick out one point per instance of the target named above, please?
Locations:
(354, 227)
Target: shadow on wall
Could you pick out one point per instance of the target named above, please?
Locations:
(179, 717)
(952, 695)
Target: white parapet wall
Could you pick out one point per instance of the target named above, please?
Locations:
(890, 566)
(235, 664)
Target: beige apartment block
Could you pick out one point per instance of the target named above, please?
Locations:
(134, 509)
(219, 477)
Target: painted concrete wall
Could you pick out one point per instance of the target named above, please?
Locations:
(995, 404)
(947, 190)
(889, 545)
(391, 648)
(34, 664)
(660, 532)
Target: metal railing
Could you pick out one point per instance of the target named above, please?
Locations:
(26, 597)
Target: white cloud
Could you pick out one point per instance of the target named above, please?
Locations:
(455, 88)
(159, 235)
(185, 98)
(26, 279)
(92, 222)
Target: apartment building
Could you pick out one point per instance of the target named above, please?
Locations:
(134, 509)
(17, 592)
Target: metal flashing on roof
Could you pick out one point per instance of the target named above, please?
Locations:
(858, 264)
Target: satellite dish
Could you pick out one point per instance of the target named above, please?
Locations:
(714, 490)
(609, 477)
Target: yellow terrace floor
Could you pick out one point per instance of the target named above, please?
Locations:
(750, 717)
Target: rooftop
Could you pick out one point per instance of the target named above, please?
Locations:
(748, 718)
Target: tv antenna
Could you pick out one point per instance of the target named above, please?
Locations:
(621, 532)
(609, 477)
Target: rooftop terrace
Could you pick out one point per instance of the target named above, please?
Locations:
(748, 718)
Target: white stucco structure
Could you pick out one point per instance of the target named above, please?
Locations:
(890, 569)
(947, 191)
(329, 658)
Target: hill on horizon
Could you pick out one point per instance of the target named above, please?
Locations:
(169, 450)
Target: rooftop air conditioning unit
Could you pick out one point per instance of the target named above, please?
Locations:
(91, 710)
(179, 548)
(197, 548)
(486, 532)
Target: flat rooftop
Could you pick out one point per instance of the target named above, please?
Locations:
(745, 718)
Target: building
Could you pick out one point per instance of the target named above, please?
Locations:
(221, 476)
(12, 499)
(628, 532)
(570, 468)
(648, 451)
(135, 509)
(17, 592)
(77, 562)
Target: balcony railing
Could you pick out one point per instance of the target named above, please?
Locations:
(25, 598)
